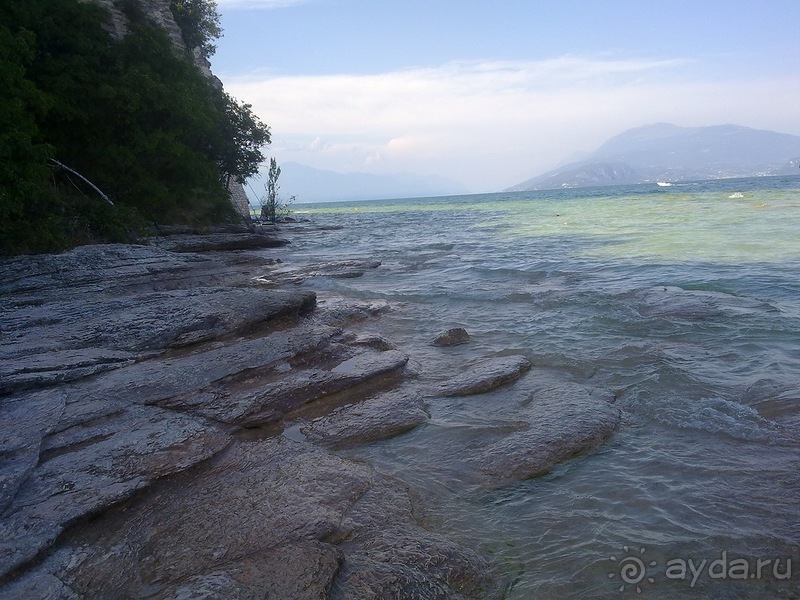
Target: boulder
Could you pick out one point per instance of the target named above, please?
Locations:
(451, 337)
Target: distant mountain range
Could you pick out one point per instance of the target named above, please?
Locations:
(664, 152)
(316, 185)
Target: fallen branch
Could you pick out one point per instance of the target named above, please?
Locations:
(86, 181)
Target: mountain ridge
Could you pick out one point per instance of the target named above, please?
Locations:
(663, 151)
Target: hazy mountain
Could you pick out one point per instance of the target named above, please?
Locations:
(315, 185)
(671, 153)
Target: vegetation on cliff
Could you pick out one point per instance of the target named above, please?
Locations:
(132, 116)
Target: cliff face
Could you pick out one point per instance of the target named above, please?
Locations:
(160, 14)
(158, 11)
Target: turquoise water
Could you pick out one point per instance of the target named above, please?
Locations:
(683, 301)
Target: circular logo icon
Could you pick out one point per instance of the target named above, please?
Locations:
(631, 569)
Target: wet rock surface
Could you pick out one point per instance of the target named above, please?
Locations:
(220, 242)
(485, 375)
(176, 424)
(451, 337)
(379, 417)
(142, 396)
(340, 269)
(559, 422)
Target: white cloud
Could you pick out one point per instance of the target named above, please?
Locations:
(493, 124)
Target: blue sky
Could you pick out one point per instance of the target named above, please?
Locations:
(491, 93)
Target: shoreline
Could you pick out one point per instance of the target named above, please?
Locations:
(177, 422)
(142, 402)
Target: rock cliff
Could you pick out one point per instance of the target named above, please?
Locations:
(160, 14)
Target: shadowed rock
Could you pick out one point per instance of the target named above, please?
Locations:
(78, 470)
(486, 375)
(379, 417)
(218, 242)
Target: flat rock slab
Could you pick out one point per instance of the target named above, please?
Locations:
(84, 469)
(110, 269)
(486, 375)
(93, 335)
(280, 518)
(218, 242)
(270, 401)
(563, 421)
(98, 308)
(379, 417)
(340, 269)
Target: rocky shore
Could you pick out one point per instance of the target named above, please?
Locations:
(171, 423)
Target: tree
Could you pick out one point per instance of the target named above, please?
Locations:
(269, 205)
(199, 23)
(139, 121)
(241, 136)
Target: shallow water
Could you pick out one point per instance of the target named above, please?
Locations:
(683, 301)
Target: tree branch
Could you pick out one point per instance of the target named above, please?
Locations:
(89, 183)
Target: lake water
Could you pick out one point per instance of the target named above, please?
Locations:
(683, 301)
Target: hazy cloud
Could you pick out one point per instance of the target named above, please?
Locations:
(492, 124)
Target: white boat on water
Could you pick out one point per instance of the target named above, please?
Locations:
(663, 183)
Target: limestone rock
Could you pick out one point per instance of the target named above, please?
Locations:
(372, 340)
(270, 518)
(218, 242)
(486, 375)
(128, 373)
(89, 467)
(563, 420)
(263, 404)
(451, 337)
(341, 269)
(338, 313)
(98, 308)
(382, 416)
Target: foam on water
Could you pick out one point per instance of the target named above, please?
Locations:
(683, 301)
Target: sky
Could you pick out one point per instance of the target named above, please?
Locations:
(491, 93)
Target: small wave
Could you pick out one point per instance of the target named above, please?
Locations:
(717, 415)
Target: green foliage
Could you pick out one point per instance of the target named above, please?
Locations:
(134, 118)
(241, 137)
(270, 203)
(199, 23)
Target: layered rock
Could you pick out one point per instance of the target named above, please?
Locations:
(486, 375)
(156, 382)
(559, 422)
